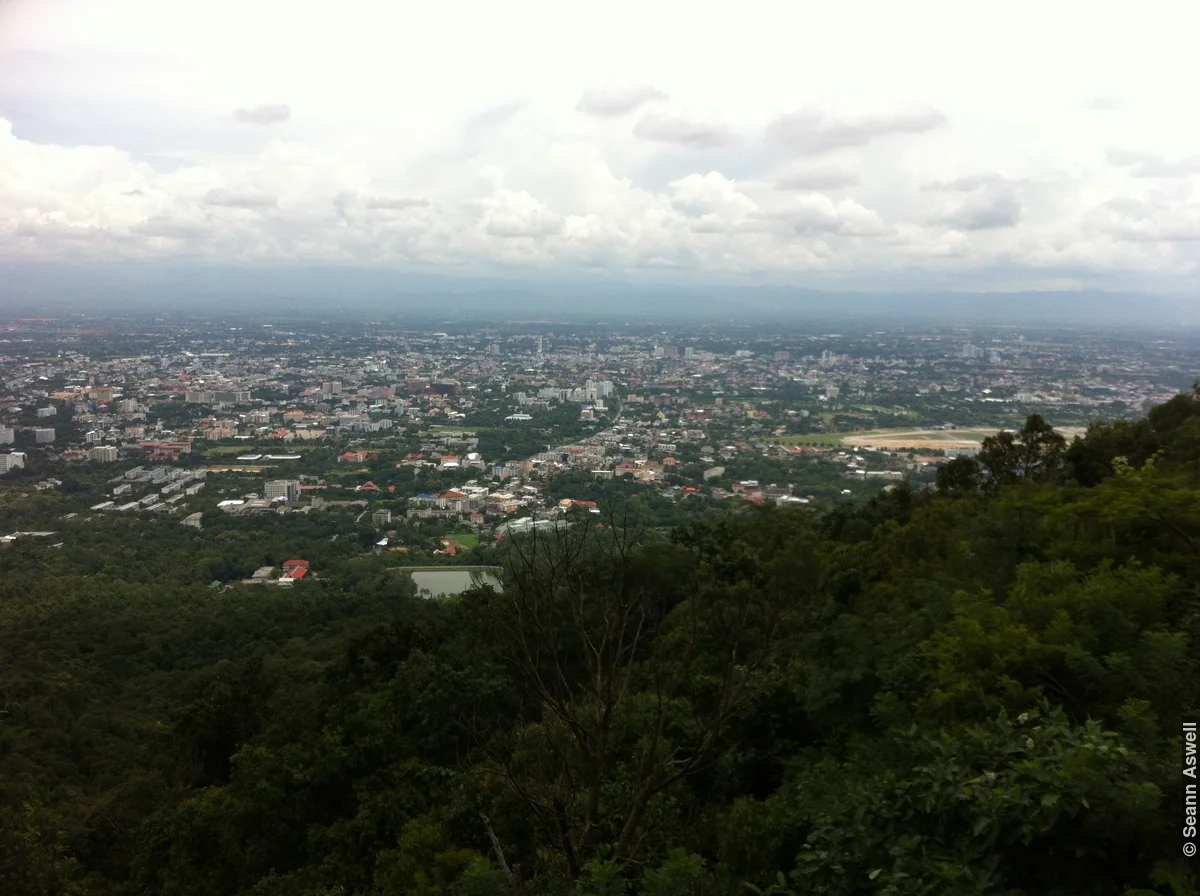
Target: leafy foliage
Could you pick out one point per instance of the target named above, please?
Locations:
(973, 689)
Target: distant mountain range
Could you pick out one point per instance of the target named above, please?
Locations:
(28, 288)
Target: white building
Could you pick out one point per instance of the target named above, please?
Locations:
(105, 454)
(11, 461)
(44, 436)
(6, 435)
(284, 489)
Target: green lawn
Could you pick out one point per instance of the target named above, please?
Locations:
(257, 449)
(467, 540)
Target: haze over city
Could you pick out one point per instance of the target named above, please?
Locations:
(892, 148)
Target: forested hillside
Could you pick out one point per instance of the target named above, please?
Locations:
(972, 690)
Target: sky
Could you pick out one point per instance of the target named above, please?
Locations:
(878, 145)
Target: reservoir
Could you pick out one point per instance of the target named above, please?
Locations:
(449, 580)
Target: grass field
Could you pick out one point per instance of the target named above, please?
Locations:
(254, 449)
(466, 540)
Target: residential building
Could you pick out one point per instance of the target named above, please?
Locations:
(105, 454)
(194, 520)
(381, 517)
(44, 436)
(11, 461)
(7, 436)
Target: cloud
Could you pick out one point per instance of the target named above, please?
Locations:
(383, 202)
(268, 113)
(987, 213)
(824, 178)
(614, 101)
(1147, 222)
(232, 199)
(967, 184)
(674, 129)
(1146, 164)
(512, 214)
(816, 131)
(494, 116)
(708, 195)
(820, 214)
(164, 226)
(1101, 103)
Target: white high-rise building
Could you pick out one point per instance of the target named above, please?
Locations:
(11, 461)
(105, 454)
(44, 436)
(7, 436)
(285, 489)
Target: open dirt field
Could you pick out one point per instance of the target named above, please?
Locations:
(894, 440)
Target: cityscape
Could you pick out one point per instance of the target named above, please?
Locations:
(536, 449)
(469, 433)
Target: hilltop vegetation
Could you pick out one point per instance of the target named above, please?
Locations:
(973, 690)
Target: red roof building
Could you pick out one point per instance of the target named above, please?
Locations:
(292, 564)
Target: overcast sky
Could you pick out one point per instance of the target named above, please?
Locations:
(1048, 145)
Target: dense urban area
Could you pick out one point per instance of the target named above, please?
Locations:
(322, 607)
(436, 439)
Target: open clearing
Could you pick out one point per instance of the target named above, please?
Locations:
(895, 439)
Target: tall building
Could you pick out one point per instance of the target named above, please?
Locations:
(44, 436)
(494, 349)
(11, 461)
(105, 454)
(331, 388)
(7, 436)
(286, 489)
(47, 411)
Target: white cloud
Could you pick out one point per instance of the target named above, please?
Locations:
(613, 101)
(267, 113)
(131, 138)
(665, 128)
(814, 131)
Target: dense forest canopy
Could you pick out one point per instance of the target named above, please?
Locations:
(975, 689)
